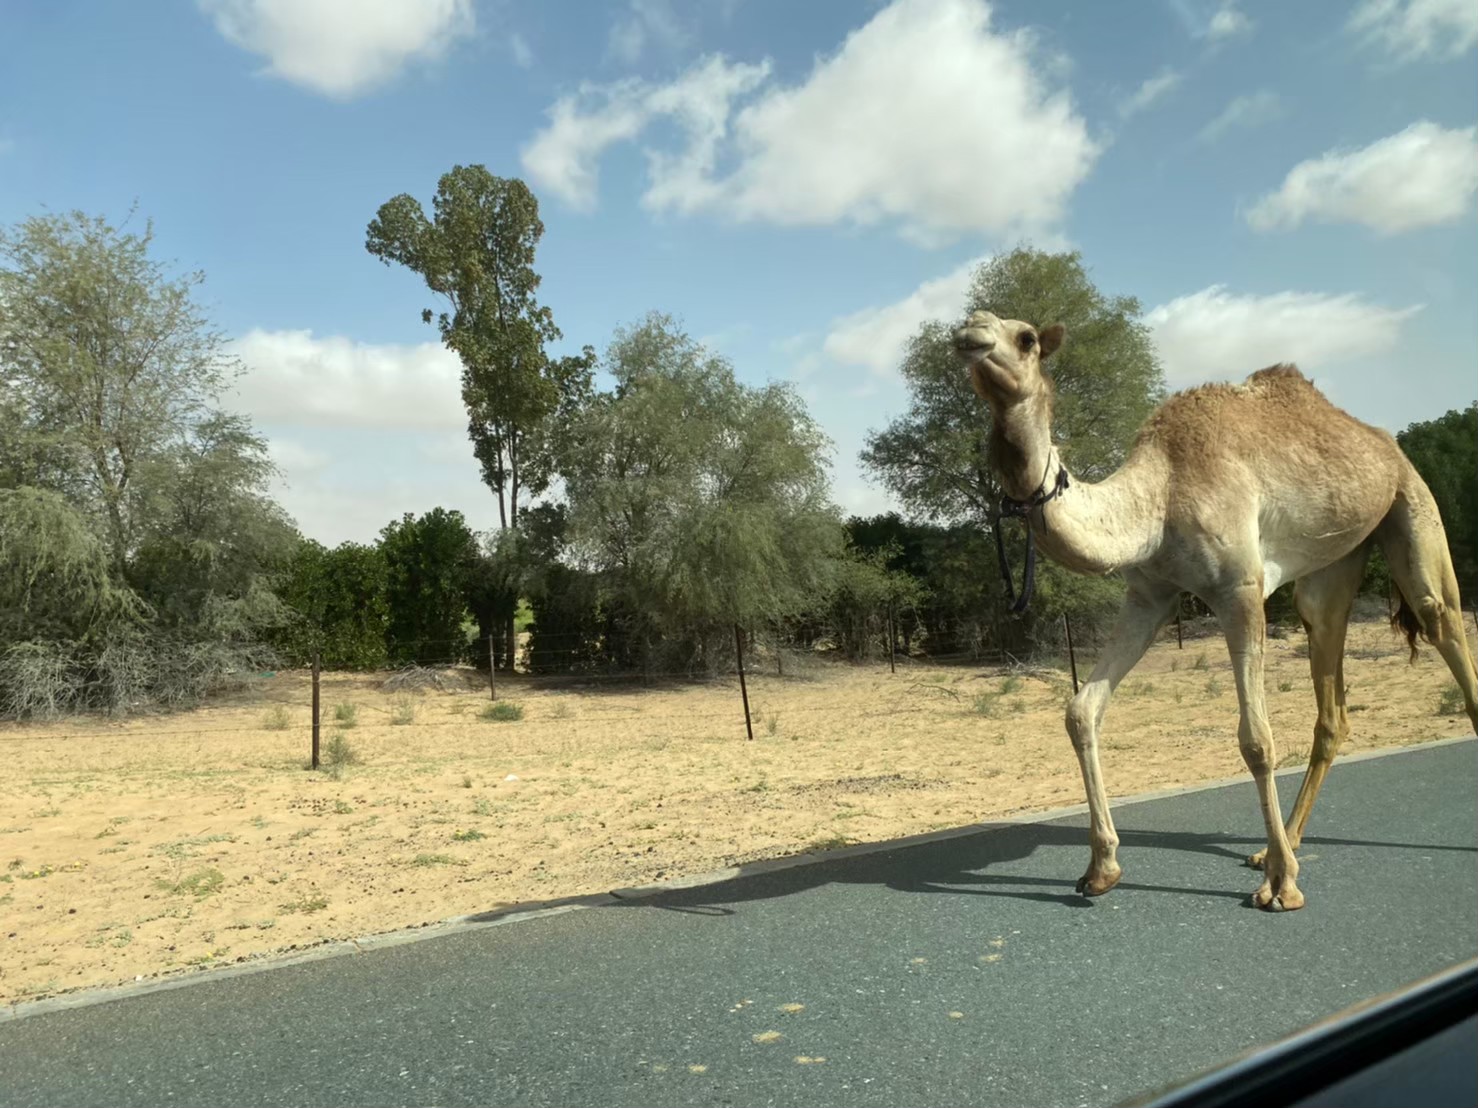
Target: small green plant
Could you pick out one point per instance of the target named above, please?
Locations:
(338, 752)
(1179, 696)
(1450, 701)
(1201, 661)
(1293, 756)
(466, 780)
(772, 724)
(436, 860)
(561, 710)
(482, 806)
(1285, 685)
(346, 715)
(306, 905)
(1010, 685)
(199, 884)
(342, 808)
(1213, 687)
(276, 719)
(502, 711)
(986, 704)
(1174, 664)
(403, 712)
(469, 835)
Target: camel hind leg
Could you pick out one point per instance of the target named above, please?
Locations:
(1415, 546)
(1324, 599)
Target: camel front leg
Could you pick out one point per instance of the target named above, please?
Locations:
(1146, 609)
(1245, 626)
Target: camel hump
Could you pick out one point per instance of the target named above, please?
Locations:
(1284, 374)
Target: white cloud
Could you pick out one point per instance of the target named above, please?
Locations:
(1228, 22)
(925, 117)
(642, 22)
(1216, 335)
(564, 156)
(1151, 91)
(294, 379)
(340, 48)
(1417, 28)
(1252, 110)
(295, 459)
(878, 337)
(1420, 177)
(523, 55)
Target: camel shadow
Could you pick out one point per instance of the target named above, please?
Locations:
(971, 864)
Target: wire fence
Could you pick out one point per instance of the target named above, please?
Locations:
(748, 656)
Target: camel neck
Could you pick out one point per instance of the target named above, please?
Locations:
(1090, 528)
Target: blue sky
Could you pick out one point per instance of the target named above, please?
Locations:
(801, 184)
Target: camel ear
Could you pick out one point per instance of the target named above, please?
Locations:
(1051, 338)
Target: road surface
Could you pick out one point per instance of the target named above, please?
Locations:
(961, 972)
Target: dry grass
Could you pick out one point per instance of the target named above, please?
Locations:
(185, 833)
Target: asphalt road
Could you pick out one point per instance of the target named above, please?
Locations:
(962, 972)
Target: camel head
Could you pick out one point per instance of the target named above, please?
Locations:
(1005, 355)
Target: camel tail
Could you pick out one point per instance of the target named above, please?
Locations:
(1406, 622)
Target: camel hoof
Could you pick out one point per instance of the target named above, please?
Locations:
(1287, 898)
(1096, 884)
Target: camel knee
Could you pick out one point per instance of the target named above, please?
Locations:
(1328, 737)
(1082, 722)
(1430, 612)
(1257, 747)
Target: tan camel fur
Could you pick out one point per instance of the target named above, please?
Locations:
(1228, 492)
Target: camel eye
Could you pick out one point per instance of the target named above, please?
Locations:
(1028, 340)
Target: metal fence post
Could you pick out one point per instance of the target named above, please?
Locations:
(492, 669)
(743, 690)
(316, 666)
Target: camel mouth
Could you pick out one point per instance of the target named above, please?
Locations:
(973, 342)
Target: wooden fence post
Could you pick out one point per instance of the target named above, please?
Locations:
(1072, 658)
(891, 632)
(492, 669)
(1179, 638)
(743, 690)
(314, 763)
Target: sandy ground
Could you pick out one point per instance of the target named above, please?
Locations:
(174, 842)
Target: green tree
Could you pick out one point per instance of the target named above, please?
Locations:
(338, 600)
(1445, 452)
(107, 362)
(701, 500)
(428, 565)
(1107, 377)
(211, 537)
(54, 579)
(476, 251)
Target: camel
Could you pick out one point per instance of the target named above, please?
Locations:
(1228, 492)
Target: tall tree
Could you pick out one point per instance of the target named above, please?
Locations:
(105, 362)
(703, 500)
(1107, 377)
(476, 251)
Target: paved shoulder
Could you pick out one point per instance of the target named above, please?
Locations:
(958, 972)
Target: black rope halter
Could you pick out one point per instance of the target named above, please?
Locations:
(1022, 509)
